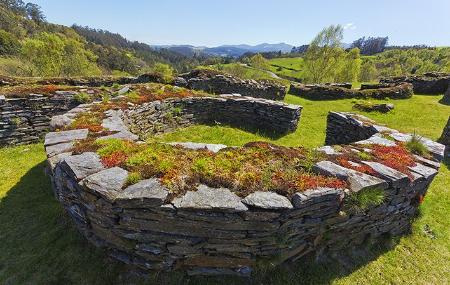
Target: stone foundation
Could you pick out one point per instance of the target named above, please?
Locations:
(271, 117)
(213, 231)
(330, 92)
(429, 83)
(26, 120)
(445, 138)
(217, 83)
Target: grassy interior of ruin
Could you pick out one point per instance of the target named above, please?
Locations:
(40, 245)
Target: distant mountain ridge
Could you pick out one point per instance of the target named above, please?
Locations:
(226, 50)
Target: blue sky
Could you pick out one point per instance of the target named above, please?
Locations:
(212, 23)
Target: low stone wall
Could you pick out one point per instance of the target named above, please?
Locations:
(330, 92)
(429, 83)
(218, 83)
(26, 120)
(271, 117)
(445, 137)
(81, 81)
(213, 231)
(344, 128)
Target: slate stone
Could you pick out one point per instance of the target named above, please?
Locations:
(146, 193)
(82, 165)
(207, 198)
(423, 170)
(191, 145)
(320, 194)
(328, 150)
(377, 139)
(357, 180)
(65, 136)
(126, 135)
(60, 121)
(53, 150)
(114, 122)
(427, 162)
(397, 178)
(267, 200)
(123, 91)
(52, 161)
(107, 183)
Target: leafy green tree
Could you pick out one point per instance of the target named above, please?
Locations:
(56, 55)
(164, 70)
(324, 55)
(9, 45)
(368, 71)
(350, 67)
(258, 61)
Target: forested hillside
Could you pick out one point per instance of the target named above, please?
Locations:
(30, 46)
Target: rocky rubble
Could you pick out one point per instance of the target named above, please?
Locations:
(212, 231)
(217, 83)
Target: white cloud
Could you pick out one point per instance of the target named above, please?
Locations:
(349, 26)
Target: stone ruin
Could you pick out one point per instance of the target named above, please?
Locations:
(428, 83)
(332, 92)
(25, 118)
(219, 83)
(445, 138)
(212, 231)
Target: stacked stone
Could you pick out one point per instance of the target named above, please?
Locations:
(330, 92)
(428, 83)
(445, 138)
(272, 117)
(26, 120)
(216, 83)
(212, 230)
(344, 128)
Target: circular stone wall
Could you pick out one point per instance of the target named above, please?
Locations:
(212, 230)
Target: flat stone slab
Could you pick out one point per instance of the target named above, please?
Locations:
(428, 162)
(397, 178)
(207, 198)
(53, 150)
(114, 122)
(107, 183)
(435, 148)
(52, 161)
(328, 150)
(377, 139)
(82, 165)
(358, 181)
(149, 192)
(423, 170)
(317, 195)
(267, 200)
(65, 136)
(126, 135)
(196, 146)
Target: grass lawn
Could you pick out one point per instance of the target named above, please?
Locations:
(38, 245)
(289, 66)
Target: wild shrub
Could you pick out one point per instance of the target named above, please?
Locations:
(416, 146)
(363, 200)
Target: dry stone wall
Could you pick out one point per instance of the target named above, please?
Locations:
(212, 231)
(429, 83)
(26, 120)
(330, 92)
(271, 117)
(217, 83)
(445, 137)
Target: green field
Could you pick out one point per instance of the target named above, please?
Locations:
(290, 66)
(39, 245)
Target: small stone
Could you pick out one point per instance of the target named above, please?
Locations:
(60, 121)
(191, 145)
(146, 193)
(107, 183)
(207, 198)
(65, 136)
(267, 200)
(82, 165)
(53, 150)
(123, 91)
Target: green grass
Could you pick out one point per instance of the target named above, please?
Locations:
(39, 245)
(291, 67)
